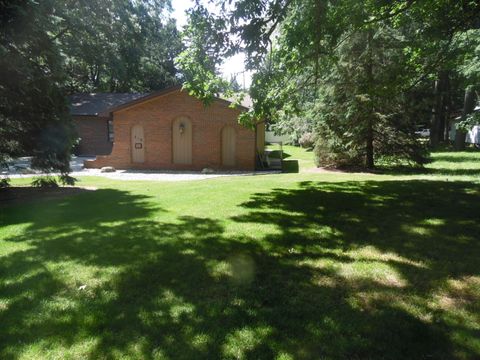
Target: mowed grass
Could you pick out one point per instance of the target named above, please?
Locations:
(295, 159)
(284, 266)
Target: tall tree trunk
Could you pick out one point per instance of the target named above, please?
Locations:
(438, 111)
(448, 112)
(468, 106)
(95, 76)
(369, 153)
(370, 162)
(444, 109)
(113, 84)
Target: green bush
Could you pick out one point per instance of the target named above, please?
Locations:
(329, 154)
(45, 182)
(4, 182)
(307, 140)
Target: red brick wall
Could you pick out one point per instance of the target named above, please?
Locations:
(94, 135)
(157, 115)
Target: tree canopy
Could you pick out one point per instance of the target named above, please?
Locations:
(52, 48)
(117, 45)
(360, 71)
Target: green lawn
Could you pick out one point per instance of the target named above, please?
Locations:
(285, 266)
(295, 158)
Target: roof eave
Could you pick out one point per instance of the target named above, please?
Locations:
(156, 94)
(141, 99)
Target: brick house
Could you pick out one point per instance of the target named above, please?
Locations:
(95, 130)
(170, 129)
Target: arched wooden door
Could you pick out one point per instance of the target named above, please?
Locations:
(228, 146)
(182, 141)
(138, 144)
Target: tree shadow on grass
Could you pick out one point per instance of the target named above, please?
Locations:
(21, 194)
(275, 154)
(447, 164)
(424, 221)
(183, 288)
(455, 158)
(85, 208)
(418, 237)
(407, 170)
(454, 172)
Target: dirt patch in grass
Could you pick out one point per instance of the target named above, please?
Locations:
(24, 194)
(331, 170)
(323, 170)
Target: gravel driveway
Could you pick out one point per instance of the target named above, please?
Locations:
(21, 169)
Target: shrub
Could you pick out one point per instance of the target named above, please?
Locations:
(4, 182)
(329, 154)
(45, 182)
(307, 140)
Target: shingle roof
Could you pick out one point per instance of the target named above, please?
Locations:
(101, 103)
(93, 104)
(246, 101)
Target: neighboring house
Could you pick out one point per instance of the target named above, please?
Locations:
(170, 129)
(271, 137)
(472, 136)
(94, 130)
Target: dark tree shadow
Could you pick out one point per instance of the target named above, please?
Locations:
(187, 288)
(432, 226)
(21, 194)
(460, 166)
(275, 154)
(405, 170)
(383, 214)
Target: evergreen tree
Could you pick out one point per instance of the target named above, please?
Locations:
(34, 118)
(51, 48)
